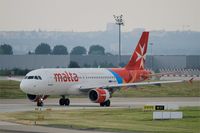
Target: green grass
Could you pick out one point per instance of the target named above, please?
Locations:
(124, 120)
(10, 89)
(166, 90)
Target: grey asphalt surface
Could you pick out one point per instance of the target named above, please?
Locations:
(13, 105)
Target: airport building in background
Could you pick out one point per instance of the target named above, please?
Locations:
(31, 62)
(155, 62)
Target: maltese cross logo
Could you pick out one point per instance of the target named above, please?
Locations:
(141, 56)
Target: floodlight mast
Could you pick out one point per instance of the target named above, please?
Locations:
(119, 21)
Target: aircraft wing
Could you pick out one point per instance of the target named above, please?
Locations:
(115, 86)
(144, 83)
(162, 74)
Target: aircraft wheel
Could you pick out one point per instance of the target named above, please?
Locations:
(67, 102)
(62, 101)
(40, 103)
(101, 104)
(107, 103)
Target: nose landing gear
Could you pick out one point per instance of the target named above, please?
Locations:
(40, 102)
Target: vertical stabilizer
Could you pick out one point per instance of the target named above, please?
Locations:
(137, 60)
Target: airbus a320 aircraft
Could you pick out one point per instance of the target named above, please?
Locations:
(98, 83)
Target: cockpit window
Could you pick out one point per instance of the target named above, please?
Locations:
(36, 77)
(39, 78)
(33, 77)
(30, 77)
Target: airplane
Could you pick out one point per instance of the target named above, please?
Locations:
(98, 83)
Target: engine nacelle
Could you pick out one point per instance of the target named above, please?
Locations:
(35, 98)
(99, 95)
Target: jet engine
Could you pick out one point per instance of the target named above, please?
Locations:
(35, 98)
(99, 95)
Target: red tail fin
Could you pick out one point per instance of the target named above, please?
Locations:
(138, 58)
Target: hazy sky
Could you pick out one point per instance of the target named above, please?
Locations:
(93, 15)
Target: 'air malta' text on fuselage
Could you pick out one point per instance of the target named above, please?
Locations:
(66, 77)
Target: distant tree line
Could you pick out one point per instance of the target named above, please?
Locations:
(44, 48)
(6, 49)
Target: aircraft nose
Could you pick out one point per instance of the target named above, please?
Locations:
(29, 87)
(23, 86)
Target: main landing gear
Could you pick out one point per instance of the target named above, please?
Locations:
(106, 103)
(64, 101)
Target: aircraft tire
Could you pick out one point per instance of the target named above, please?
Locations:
(62, 101)
(40, 103)
(101, 104)
(107, 103)
(67, 102)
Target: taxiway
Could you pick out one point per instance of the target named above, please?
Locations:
(14, 105)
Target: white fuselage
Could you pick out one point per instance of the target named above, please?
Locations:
(98, 83)
(64, 81)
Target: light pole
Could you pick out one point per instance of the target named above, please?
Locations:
(151, 55)
(119, 21)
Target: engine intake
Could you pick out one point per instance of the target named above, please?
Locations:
(99, 95)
